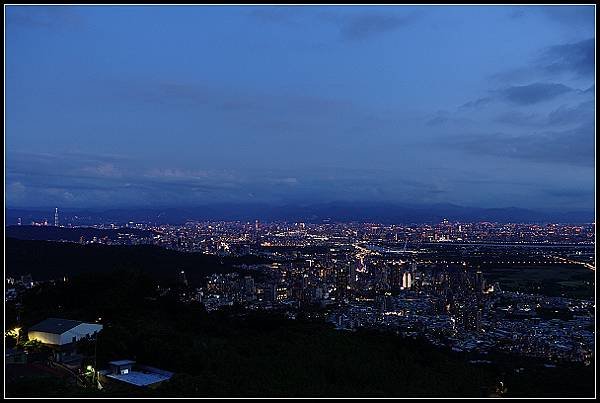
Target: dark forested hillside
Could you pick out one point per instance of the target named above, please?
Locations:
(50, 260)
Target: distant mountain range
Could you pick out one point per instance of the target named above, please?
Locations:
(386, 213)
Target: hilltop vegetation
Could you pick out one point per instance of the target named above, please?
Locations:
(46, 260)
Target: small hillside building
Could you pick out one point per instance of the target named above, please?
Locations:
(62, 334)
(126, 372)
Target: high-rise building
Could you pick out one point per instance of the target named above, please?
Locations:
(479, 281)
(56, 217)
(341, 283)
(395, 277)
(384, 280)
(257, 231)
(382, 301)
(181, 278)
(406, 280)
(270, 292)
(352, 273)
(249, 288)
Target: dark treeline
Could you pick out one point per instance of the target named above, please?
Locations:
(46, 260)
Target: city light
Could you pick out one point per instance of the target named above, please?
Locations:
(14, 332)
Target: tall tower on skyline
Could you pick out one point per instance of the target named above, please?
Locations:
(56, 217)
(256, 231)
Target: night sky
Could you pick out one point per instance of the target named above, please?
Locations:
(174, 106)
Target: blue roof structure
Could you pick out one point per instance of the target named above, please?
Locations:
(121, 362)
(141, 378)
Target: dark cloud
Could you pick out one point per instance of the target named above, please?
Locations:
(519, 118)
(72, 181)
(51, 18)
(567, 15)
(570, 15)
(521, 95)
(514, 75)
(516, 12)
(566, 193)
(554, 63)
(252, 107)
(446, 118)
(353, 26)
(572, 146)
(368, 25)
(167, 93)
(564, 135)
(436, 121)
(275, 14)
(69, 164)
(57, 179)
(477, 103)
(578, 58)
(566, 115)
(533, 93)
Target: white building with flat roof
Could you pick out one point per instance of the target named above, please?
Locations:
(138, 375)
(59, 332)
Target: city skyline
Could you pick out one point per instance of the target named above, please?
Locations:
(177, 106)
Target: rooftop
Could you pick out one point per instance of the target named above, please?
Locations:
(140, 378)
(121, 362)
(55, 325)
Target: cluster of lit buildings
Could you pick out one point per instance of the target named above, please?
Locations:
(450, 305)
(235, 237)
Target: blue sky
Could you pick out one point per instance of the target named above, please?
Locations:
(489, 106)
